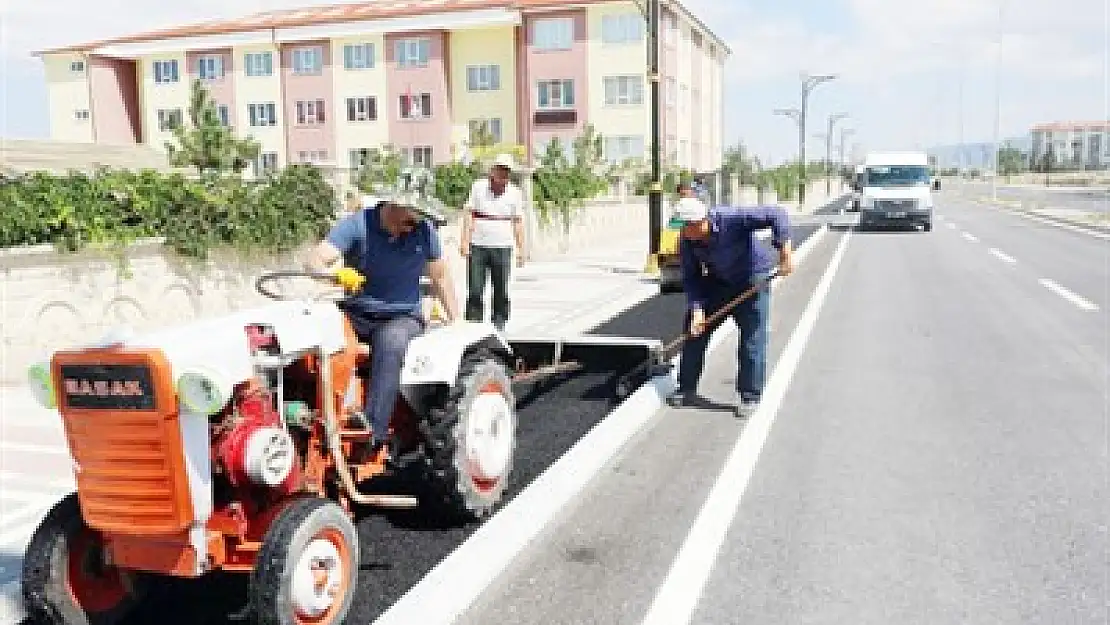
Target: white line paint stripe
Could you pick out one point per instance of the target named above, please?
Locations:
(11, 604)
(1078, 300)
(32, 448)
(1000, 255)
(17, 523)
(682, 588)
(970, 237)
(27, 478)
(453, 585)
(951, 225)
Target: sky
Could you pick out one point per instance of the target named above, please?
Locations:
(910, 74)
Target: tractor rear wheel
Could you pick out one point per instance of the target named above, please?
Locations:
(66, 579)
(307, 569)
(470, 439)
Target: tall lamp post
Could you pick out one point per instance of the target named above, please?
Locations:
(844, 134)
(650, 10)
(809, 83)
(835, 117)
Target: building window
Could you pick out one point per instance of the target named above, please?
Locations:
(417, 156)
(77, 67)
(672, 92)
(491, 127)
(165, 71)
(225, 115)
(483, 77)
(81, 115)
(210, 67)
(258, 64)
(416, 106)
(566, 144)
(620, 90)
(553, 33)
(263, 114)
(620, 148)
(555, 94)
(310, 112)
(622, 29)
(168, 119)
(308, 60)
(358, 56)
(411, 52)
(312, 156)
(358, 158)
(363, 109)
(265, 163)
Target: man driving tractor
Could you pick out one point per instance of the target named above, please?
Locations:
(388, 246)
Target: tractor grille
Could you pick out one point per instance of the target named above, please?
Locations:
(124, 434)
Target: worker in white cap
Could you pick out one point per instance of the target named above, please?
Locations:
(722, 258)
(493, 225)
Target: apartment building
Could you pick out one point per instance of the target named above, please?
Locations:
(1080, 145)
(327, 84)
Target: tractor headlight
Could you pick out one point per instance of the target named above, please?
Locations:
(42, 385)
(203, 391)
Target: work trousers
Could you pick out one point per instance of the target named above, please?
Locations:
(389, 337)
(751, 317)
(496, 263)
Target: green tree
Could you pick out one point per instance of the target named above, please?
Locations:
(1010, 161)
(205, 143)
(382, 166)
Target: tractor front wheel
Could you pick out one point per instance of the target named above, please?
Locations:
(307, 569)
(471, 438)
(66, 577)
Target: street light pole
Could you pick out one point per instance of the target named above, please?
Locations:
(844, 134)
(808, 84)
(835, 117)
(655, 191)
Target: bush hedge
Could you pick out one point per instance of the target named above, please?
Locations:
(112, 208)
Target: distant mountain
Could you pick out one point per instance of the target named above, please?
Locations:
(975, 155)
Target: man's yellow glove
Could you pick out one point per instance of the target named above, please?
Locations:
(349, 279)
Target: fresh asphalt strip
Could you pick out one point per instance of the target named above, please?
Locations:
(398, 549)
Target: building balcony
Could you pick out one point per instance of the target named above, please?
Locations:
(552, 117)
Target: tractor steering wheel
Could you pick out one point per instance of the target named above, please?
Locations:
(261, 286)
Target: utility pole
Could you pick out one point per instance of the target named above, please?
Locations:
(835, 117)
(844, 134)
(655, 191)
(809, 83)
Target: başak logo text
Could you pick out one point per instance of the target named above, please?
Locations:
(103, 388)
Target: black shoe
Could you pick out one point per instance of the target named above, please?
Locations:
(678, 399)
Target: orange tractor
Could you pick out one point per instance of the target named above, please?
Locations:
(231, 444)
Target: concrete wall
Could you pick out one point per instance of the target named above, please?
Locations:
(51, 300)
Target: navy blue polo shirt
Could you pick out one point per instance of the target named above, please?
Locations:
(392, 266)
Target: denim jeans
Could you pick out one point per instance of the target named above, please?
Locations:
(389, 337)
(494, 262)
(751, 317)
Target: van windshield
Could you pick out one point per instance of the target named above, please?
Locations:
(897, 175)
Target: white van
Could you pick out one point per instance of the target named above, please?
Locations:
(896, 188)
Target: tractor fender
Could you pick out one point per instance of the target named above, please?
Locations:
(435, 356)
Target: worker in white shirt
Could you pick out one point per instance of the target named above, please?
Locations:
(493, 223)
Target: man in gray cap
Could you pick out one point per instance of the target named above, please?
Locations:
(387, 247)
(493, 221)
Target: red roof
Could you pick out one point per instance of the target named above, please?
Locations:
(1071, 126)
(327, 14)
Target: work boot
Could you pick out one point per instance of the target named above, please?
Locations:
(746, 406)
(679, 399)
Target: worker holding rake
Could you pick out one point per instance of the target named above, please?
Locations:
(726, 271)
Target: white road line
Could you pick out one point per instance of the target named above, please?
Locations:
(1002, 256)
(970, 237)
(682, 588)
(11, 604)
(951, 226)
(1078, 300)
(19, 523)
(66, 484)
(32, 448)
(452, 586)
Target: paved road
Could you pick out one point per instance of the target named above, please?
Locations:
(1062, 198)
(939, 457)
(399, 549)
